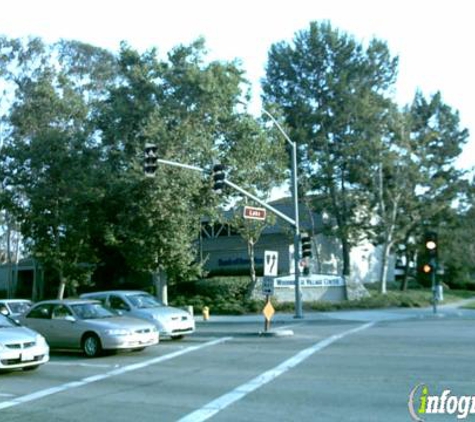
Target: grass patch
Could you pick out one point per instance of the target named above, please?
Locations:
(470, 305)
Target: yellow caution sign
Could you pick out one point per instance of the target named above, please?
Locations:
(268, 311)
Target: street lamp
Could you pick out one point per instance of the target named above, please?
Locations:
(298, 298)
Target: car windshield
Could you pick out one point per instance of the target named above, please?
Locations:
(91, 311)
(6, 322)
(144, 300)
(19, 307)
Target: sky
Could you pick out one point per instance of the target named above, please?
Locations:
(432, 38)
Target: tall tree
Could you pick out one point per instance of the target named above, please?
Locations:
(334, 94)
(184, 106)
(49, 157)
(435, 140)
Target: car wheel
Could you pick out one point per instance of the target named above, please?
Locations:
(91, 345)
(31, 368)
(180, 337)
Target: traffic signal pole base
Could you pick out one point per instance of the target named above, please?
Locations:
(277, 333)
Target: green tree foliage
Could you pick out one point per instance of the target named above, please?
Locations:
(49, 158)
(257, 162)
(433, 183)
(456, 247)
(334, 94)
(72, 160)
(185, 106)
(416, 182)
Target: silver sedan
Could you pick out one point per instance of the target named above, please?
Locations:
(171, 322)
(21, 347)
(86, 325)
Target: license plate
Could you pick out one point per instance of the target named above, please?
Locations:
(27, 357)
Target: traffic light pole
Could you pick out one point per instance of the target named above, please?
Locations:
(431, 249)
(293, 145)
(435, 290)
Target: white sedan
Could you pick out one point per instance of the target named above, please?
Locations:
(14, 307)
(21, 347)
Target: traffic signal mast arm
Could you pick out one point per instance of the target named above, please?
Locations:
(234, 186)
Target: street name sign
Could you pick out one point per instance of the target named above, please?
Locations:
(254, 213)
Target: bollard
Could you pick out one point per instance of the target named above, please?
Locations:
(205, 313)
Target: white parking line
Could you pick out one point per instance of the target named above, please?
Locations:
(74, 384)
(6, 395)
(215, 406)
(86, 365)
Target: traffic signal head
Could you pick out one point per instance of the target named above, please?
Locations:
(218, 178)
(306, 246)
(431, 243)
(150, 161)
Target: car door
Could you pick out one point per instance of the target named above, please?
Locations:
(39, 319)
(64, 330)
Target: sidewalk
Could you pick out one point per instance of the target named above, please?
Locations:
(367, 315)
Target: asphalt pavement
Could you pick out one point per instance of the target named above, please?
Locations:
(337, 366)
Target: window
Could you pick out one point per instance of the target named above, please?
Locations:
(118, 303)
(40, 312)
(60, 312)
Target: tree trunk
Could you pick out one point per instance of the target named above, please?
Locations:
(252, 268)
(62, 285)
(160, 281)
(383, 275)
(346, 257)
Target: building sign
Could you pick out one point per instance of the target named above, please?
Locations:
(314, 280)
(238, 262)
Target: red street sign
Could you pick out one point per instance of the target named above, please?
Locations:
(255, 213)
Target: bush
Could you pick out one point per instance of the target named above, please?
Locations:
(223, 295)
(228, 296)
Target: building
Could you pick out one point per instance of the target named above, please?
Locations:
(223, 251)
(22, 280)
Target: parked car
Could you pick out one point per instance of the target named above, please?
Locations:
(14, 307)
(88, 326)
(21, 347)
(170, 322)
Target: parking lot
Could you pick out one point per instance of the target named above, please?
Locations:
(341, 366)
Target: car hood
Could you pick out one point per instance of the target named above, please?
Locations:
(118, 323)
(17, 334)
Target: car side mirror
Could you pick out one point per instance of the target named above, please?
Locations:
(69, 318)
